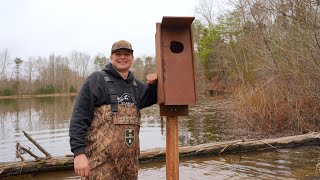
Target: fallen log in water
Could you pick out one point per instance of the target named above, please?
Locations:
(218, 148)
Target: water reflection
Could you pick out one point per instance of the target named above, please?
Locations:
(287, 164)
(203, 125)
(47, 121)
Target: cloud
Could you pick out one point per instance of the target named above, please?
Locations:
(38, 28)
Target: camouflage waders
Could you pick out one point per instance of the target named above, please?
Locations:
(113, 143)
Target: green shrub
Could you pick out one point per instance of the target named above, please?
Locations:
(49, 89)
(9, 91)
(72, 89)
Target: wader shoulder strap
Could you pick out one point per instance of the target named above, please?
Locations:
(112, 92)
(136, 95)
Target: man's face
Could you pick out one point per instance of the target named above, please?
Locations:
(121, 60)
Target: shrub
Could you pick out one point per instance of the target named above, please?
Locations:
(49, 89)
(72, 89)
(9, 91)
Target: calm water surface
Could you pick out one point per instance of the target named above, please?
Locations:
(47, 121)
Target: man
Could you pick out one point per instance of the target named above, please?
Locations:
(105, 123)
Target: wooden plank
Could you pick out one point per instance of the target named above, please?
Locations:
(172, 148)
(174, 110)
(177, 22)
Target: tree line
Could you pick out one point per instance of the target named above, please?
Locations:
(266, 54)
(56, 73)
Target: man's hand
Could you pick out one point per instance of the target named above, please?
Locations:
(151, 78)
(81, 165)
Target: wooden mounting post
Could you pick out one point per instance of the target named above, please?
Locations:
(172, 148)
(172, 137)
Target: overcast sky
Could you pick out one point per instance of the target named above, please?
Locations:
(41, 27)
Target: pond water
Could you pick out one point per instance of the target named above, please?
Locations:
(47, 121)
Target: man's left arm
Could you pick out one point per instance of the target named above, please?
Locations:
(149, 96)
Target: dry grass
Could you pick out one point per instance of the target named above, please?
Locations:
(274, 108)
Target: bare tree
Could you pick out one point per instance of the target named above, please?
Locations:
(280, 51)
(30, 72)
(138, 68)
(51, 69)
(4, 63)
(80, 64)
(62, 74)
(100, 61)
(206, 13)
(150, 66)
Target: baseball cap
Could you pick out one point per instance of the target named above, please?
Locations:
(122, 44)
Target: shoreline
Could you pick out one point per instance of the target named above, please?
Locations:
(38, 95)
